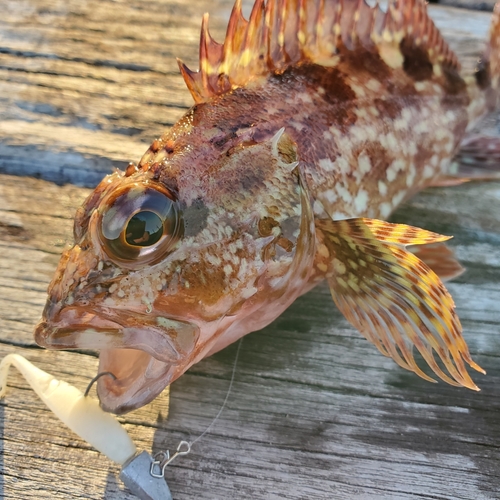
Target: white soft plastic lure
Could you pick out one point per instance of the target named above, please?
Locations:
(80, 413)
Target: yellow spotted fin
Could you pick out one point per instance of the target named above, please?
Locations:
(393, 298)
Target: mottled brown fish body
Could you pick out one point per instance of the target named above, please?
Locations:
(312, 121)
(368, 136)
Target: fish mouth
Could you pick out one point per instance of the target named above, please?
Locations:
(145, 353)
(137, 379)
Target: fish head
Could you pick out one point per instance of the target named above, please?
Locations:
(179, 257)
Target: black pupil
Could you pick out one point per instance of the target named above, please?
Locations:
(144, 229)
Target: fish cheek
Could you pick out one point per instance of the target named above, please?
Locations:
(222, 275)
(241, 231)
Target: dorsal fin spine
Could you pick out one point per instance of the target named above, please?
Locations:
(205, 69)
(357, 21)
(271, 9)
(193, 81)
(320, 9)
(255, 29)
(281, 33)
(236, 31)
(211, 53)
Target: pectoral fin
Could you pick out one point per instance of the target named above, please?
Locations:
(392, 297)
(440, 258)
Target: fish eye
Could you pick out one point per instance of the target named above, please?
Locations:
(144, 229)
(139, 225)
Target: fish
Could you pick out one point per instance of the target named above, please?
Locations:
(312, 122)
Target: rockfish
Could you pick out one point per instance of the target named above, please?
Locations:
(312, 122)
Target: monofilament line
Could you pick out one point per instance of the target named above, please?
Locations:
(163, 459)
(227, 395)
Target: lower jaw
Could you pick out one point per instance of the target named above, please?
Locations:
(137, 379)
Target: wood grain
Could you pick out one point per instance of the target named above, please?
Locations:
(315, 411)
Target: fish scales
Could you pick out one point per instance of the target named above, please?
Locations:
(365, 141)
(313, 121)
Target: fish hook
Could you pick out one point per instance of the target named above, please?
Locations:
(95, 379)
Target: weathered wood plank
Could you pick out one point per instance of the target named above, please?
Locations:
(89, 85)
(315, 411)
(309, 393)
(486, 5)
(86, 87)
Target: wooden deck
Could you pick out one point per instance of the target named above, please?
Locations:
(315, 412)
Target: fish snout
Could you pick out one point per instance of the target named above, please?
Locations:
(66, 288)
(71, 275)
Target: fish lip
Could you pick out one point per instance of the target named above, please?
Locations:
(75, 327)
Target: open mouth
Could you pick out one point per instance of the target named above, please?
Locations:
(145, 353)
(139, 379)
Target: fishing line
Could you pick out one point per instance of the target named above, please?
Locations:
(227, 394)
(163, 458)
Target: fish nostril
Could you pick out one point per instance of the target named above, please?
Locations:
(50, 311)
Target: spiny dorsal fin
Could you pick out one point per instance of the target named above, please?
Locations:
(283, 33)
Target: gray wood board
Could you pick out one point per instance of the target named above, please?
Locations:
(315, 411)
(86, 86)
(469, 4)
